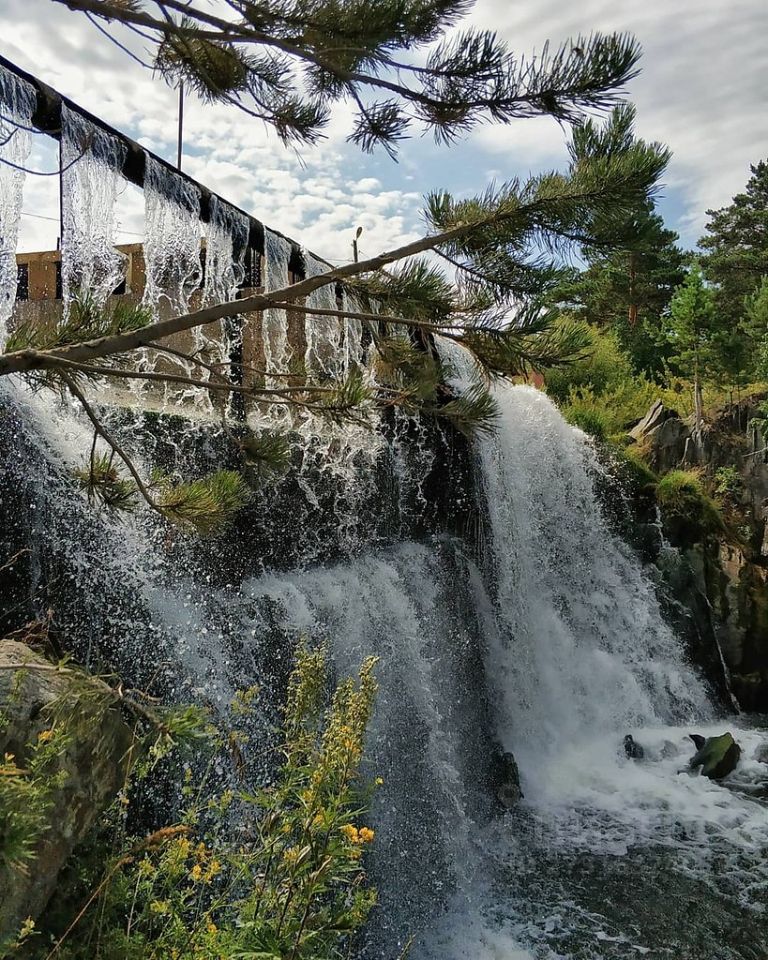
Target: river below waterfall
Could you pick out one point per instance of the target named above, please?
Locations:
(544, 637)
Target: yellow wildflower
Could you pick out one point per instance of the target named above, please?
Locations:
(45, 735)
(196, 872)
(160, 907)
(379, 782)
(366, 834)
(350, 832)
(291, 855)
(211, 927)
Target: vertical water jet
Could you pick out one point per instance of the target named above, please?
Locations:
(323, 355)
(277, 350)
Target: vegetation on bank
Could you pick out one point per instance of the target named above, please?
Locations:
(260, 856)
(690, 330)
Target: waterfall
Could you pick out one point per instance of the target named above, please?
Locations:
(323, 353)
(17, 105)
(576, 612)
(353, 352)
(547, 641)
(92, 161)
(172, 241)
(226, 241)
(277, 350)
(428, 739)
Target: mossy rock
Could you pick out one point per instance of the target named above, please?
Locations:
(689, 514)
(81, 778)
(717, 757)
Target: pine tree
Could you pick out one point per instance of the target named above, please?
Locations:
(755, 330)
(736, 246)
(692, 334)
(629, 289)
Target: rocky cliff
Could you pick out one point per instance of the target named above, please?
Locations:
(719, 571)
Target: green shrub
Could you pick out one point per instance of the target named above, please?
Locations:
(245, 869)
(600, 369)
(592, 422)
(616, 410)
(728, 482)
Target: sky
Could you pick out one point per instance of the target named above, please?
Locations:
(703, 90)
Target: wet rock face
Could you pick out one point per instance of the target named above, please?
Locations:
(92, 764)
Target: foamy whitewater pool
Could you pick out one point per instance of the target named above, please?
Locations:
(608, 857)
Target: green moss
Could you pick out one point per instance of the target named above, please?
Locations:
(632, 469)
(686, 507)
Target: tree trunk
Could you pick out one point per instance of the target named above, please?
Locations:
(632, 312)
(698, 400)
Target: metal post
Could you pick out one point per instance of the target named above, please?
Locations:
(181, 124)
(60, 242)
(354, 244)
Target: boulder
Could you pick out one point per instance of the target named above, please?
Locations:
(717, 756)
(653, 419)
(666, 437)
(82, 778)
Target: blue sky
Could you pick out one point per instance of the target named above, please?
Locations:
(702, 91)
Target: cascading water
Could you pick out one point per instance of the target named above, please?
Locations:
(17, 104)
(274, 324)
(576, 613)
(92, 162)
(226, 240)
(577, 655)
(172, 241)
(324, 354)
(173, 265)
(353, 352)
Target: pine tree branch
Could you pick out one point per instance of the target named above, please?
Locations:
(107, 437)
(25, 360)
(487, 84)
(374, 318)
(119, 373)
